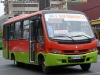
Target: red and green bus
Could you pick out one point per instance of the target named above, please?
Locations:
(50, 38)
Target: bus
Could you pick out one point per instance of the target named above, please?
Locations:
(1, 34)
(96, 28)
(1, 44)
(50, 38)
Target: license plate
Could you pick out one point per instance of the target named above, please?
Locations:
(76, 57)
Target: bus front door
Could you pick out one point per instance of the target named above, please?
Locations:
(32, 50)
(7, 41)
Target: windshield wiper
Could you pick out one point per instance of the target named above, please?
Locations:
(66, 36)
(82, 35)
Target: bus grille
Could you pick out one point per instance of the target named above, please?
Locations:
(76, 60)
(75, 51)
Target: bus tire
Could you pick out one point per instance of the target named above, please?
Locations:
(17, 64)
(45, 69)
(85, 67)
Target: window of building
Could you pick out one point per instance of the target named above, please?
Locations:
(15, 12)
(56, 0)
(53, 4)
(32, 11)
(28, 1)
(21, 12)
(25, 5)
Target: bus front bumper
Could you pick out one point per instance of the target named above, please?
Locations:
(60, 60)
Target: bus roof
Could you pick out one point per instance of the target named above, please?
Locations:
(25, 16)
(20, 17)
(62, 11)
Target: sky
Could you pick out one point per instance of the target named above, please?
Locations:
(1, 9)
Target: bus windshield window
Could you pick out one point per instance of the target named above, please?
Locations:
(64, 25)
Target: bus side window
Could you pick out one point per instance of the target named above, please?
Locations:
(26, 29)
(4, 32)
(33, 30)
(7, 32)
(40, 33)
(17, 32)
(12, 28)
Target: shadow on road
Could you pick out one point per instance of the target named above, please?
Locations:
(55, 71)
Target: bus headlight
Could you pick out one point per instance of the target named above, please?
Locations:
(93, 49)
(56, 51)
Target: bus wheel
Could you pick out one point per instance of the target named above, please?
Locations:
(45, 69)
(85, 67)
(18, 64)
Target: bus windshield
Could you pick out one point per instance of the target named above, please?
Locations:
(65, 25)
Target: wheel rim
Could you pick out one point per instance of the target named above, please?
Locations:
(43, 67)
(14, 62)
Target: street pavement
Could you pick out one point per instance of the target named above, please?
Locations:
(7, 68)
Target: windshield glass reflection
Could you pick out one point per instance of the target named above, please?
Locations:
(63, 28)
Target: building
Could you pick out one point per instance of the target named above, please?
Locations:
(29, 6)
(20, 7)
(91, 9)
(15, 7)
(4, 18)
(66, 5)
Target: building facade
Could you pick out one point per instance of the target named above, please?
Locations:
(3, 19)
(91, 9)
(29, 6)
(15, 7)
